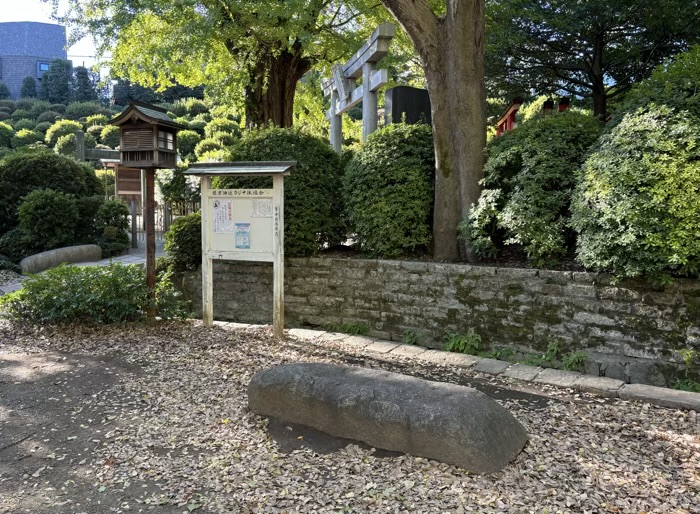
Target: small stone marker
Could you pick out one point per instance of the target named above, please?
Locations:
(445, 422)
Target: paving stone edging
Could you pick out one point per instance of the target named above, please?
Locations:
(600, 386)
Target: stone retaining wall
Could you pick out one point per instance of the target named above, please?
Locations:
(629, 331)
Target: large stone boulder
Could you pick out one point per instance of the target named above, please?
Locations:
(449, 423)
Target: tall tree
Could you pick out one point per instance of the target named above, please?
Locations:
(83, 86)
(28, 89)
(56, 84)
(258, 48)
(591, 48)
(449, 37)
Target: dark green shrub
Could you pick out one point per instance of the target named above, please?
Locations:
(8, 103)
(25, 104)
(6, 110)
(4, 91)
(110, 136)
(530, 174)
(637, 208)
(313, 206)
(10, 266)
(197, 126)
(113, 241)
(77, 110)
(60, 108)
(6, 133)
(21, 113)
(4, 116)
(193, 106)
(87, 230)
(37, 107)
(24, 172)
(176, 187)
(95, 131)
(61, 128)
(42, 128)
(183, 242)
(388, 189)
(66, 145)
(49, 218)
(208, 145)
(112, 222)
(96, 119)
(28, 89)
(26, 137)
(90, 294)
(51, 116)
(16, 245)
(222, 125)
(24, 123)
(187, 140)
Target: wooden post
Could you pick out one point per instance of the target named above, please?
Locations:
(150, 241)
(134, 225)
(278, 256)
(207, 266)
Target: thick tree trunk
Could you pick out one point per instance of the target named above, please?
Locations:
(452, 52)
(269, 100)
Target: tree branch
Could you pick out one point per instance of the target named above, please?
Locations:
(419, 22)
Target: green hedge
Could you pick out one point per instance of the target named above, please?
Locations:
(637, 208)
(183, 242)
(530, 175)
(388, 189)
(313, 208)
(49, 218)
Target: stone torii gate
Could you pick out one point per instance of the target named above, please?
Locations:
(345, 93)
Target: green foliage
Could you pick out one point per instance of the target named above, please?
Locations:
(4, 91)
(21, 113)
(89, 294)
(24, 123)
(16, 245)
(469, 343)
(78, 110)
(206, 146)
(687, 384)
(49, 218)
(190, 107)
(312, 193)
(637, 209)
(26, 137)
(187, 141)
(43, 127)
(96, 119)
(6, 133)
(110, 136)
(83, 87)
(61, 128)
(24, 172)
(60, 108)
(50, 116)
(35, 107)
(183, 242)
(66, 145)
(574, 361)
(219, 125)
(10, 104)
(57, 81)
(388, 189)
(176, 187)
(113, 213)
(410, 337)
(4, 116)
(95, 131)
(28, 89)
(197, 126)
(10, 266)
(530, 176)
(352, 328)
(86, 231)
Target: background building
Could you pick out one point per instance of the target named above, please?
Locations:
(26, 50)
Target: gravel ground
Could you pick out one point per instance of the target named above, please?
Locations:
(176, 436)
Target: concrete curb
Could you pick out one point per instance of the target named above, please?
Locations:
(600, 386)
(52, 258)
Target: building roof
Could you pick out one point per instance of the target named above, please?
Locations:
(145, 112)
(33, 39)
(249, 168)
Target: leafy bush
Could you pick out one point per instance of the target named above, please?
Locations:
(28, 89)
(95, 131)
(192, 106)
(36, 107)
(388, 187)
(66, 145)
(530, 175)
(61, 128)
(49, 218)
(222, 125)
(22, 173)
(96, 119)
(42, 128)
(26, 137)
(470, 343)
(187, 140)
(6, 133)
(60, 108)
(207, 145)
(313, 208)
(25, 104)
(51, 116)
(24, 123)
(18, 114)
(4, 91)
(4, 116)
(86, 232)
(16, 245)
(90, 294)
(110, 136)
(6, 110)
(9, 104)
(176, 187)
(77, 110)
(637, 209)
(183, 242)
(10, 266)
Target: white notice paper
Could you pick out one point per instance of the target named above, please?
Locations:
(223, 215)
(261, 209)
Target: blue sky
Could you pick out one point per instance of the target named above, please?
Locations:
(35, 10)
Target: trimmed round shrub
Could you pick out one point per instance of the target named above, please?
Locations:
(313, 206)
(25, 104)
(637, 208)
(4, 91)
(388, 190)
(43, 127)
(28, 89)
(6, 110)
(26, 137)
(208, 145)
(49, 218)
(60, 108)
(66, 145)
(22, 173)
(77, 110)
(96, 119)
(530, 175)
(112, 222)
(61, 128)
(110, 136)
(86, 232)
(9, 104)
(6, 133)
(38, 107)
(222, 125)
(183, 242)
(18, 114)
(50, 116)
(95, 131)
(187, 140)
(198, 126)
(190, 106)
(16, 245)
(4, 116)
(24, 123)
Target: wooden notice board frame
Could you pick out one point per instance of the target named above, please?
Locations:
(243, 225)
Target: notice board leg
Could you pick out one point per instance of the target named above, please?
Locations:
(208, 292)
(278, 256)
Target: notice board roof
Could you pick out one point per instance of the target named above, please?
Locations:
(247, 168)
